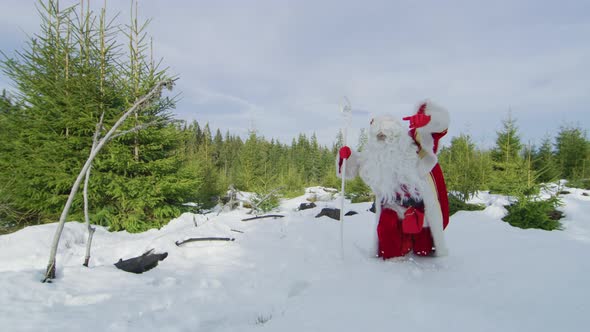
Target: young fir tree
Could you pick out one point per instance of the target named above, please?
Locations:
(510, 173)
(70, 74)
(572, 152)
(462, 167)
(544, 162)
(217, 149)
(253, 167)
(315, 169)
(145, 181)
(508, 145)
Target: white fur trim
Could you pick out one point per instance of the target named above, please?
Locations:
(439, 122)
(375, 246)
(433, 218)
(439, 118)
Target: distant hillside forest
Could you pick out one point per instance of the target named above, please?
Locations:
(81, 66)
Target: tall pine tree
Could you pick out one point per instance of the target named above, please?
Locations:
(69, 74)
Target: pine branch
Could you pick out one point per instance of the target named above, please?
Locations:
(255, 206)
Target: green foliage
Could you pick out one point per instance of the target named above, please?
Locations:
(357, 191)
(462, 166)
(253, 168)
(266, 201)
(512, 179)
(573, 154)
(545, 163)
(508, 145)
(457, 204)
(531, 212)
(511, 173)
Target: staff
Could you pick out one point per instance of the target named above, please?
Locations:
(346, 112)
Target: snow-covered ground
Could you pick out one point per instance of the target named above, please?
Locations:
(288, 275)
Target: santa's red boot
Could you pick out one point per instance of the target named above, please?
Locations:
(423, 243)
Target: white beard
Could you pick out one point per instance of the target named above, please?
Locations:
(390, 168)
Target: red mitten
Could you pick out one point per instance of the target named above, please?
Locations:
(413, 221)
(344, 153)
(418, 120)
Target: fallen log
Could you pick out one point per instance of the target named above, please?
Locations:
(199, 239)
(266, 216)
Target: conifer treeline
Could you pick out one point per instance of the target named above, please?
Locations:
(256, 164)
(512, 167)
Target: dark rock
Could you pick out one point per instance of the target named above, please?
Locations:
(142, 263)
(333, 213)
(585, 194)
(372, 209)
(305, 206)
(329, 212)
(555, 215)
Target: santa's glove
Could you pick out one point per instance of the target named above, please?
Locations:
(417, 121)
(344, 153)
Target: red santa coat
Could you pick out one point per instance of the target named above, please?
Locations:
(436, 173)
(393, 241)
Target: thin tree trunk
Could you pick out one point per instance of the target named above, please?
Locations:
(87, 219)
(50, 273)
(91, 229)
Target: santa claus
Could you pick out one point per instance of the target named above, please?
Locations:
(402, 169)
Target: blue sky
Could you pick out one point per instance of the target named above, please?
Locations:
(282, 67)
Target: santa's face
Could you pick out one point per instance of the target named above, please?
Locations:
(385, 130)
(389, 160)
